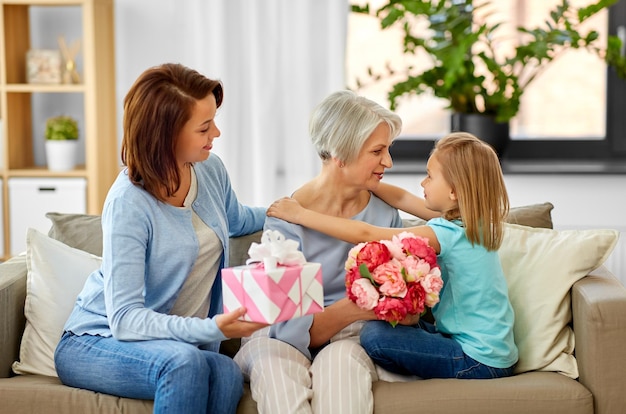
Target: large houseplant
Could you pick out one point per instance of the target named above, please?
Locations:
(61, 140)
(468, 69)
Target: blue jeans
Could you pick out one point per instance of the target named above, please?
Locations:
(421, 350)
(179, 377)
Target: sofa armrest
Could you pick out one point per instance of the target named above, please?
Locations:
(599, 314)
(12, 320)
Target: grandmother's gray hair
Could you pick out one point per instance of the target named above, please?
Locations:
(342, 122)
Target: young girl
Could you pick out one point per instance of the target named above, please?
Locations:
(473, 333)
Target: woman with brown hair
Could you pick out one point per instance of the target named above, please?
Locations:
(146, 324)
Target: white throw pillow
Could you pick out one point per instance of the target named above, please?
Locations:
(541, 266)
(56, 275)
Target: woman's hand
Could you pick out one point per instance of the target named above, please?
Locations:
(232, 327)
(334, 318)
(362, 314)
(287, 209)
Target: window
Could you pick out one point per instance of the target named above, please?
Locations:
(573, 111)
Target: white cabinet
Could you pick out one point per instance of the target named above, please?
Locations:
(31, 198)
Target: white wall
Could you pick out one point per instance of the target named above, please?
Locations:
(580, 202)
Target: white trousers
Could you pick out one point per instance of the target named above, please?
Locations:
(282, 380)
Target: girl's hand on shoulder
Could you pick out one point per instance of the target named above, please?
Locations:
(232, 327)
(285, 208)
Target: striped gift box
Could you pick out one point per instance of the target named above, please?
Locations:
(273, 295)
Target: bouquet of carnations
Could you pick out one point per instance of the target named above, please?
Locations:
(395, 278)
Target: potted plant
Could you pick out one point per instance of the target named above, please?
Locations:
(469, 70)
(61, 140)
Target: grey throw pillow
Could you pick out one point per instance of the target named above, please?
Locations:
(84, 232)
(80, 231)
(535, 215)
(239, 248)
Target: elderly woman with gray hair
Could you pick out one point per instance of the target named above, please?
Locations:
(315, 364)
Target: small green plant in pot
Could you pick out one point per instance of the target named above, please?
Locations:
(61, 139)
(61, 128)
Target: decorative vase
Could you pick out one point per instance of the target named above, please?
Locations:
(61, 154)
(484, 127)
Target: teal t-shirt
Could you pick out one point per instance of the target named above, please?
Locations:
(474, 306)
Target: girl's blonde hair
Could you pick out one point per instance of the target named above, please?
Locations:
(472, 169)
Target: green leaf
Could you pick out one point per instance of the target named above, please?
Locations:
(355, 8)
(365, 272)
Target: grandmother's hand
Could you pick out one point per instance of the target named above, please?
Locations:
(287, 209)
(354, 311)
(232, 327)
(410, 320)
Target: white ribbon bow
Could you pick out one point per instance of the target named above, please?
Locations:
(274, 249)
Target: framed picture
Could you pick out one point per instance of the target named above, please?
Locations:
(43, 66)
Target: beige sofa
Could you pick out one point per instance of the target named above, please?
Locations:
(599, 323)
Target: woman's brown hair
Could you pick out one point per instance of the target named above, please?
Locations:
(472, 169)
(156, 108)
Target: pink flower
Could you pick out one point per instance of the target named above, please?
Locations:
(351, 261)
(365, 293)
(394, 278)
(431, 299)
(418, 246)
(389, 277)
(352, 275)
(432, 284)
(373, 254)
(415, 298)
(395, 248)
(391, 310)
(416, 268)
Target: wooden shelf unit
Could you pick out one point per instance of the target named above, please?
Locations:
(97, 88)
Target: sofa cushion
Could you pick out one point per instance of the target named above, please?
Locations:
(80, 231)
(540, 266)
(56, 274)
(239, 248)
(39, 394)
(533, 392)
(534, 215)
(83, 231)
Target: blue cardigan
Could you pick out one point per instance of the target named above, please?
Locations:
(149, 248)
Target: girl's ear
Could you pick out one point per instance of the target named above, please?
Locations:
(452, 195)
